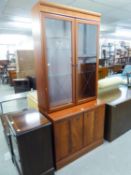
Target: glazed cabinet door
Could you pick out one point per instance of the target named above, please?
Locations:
(87, 54)
(59, 60)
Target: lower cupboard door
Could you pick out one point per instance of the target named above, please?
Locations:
(89, 127)
(76, 126)
(62, 139)
(99, 122)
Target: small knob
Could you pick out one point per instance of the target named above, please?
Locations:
(82, 109)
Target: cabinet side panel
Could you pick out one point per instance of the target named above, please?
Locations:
(110, 112)
(76, 124)
(97, 59)
(89, 119)
(62, 143)
(39, 62)
(36, 151)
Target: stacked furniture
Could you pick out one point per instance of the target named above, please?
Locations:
(25, 63)
(25, 71)
(66, 57)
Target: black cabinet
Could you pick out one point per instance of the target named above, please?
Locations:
(118, 119)
(31, 140)
(32, 82)
(21, 85)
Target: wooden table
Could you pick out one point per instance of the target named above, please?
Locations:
(102, 72)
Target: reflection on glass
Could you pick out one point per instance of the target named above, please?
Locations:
(58, 43)
(87, 39)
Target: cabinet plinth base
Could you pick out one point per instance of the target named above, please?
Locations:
(76, 155)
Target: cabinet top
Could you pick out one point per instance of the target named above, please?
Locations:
(25, 121)
(64, 114)
(45, 6)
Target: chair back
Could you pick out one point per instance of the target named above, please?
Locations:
(127, 69)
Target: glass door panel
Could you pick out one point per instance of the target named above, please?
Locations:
(59, 61)
(86, 60)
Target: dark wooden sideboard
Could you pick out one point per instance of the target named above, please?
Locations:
(29, 136)
(118, 111)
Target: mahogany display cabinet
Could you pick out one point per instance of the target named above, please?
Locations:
(66, 52)
(66, 58)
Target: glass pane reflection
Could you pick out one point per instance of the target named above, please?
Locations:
(87, 43)
(58, 43)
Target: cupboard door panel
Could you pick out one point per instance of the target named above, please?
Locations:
(62, 142)
(59, 54)
(99, 122)
(89, 120)
(76, 125)
(86, 60)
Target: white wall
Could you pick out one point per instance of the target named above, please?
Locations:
(13, 42)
